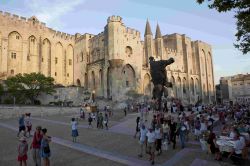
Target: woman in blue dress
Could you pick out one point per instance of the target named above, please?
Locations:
(45, 149)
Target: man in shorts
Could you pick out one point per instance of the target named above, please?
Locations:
(21, 125)
(151, 144)
(142, 141)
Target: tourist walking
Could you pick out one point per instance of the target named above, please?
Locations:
(21, 125)
(100, 121)
(142, 140)
(158, 137)
(28, 124)
(74, 134)
(125, 111)
(90, 120)
(173, 132)
(197, 127)
(165, 130)
(151, 145)
(137, 129)
(182, 133)
(187, 124)
(45, 148)
(22, 151)
(154, 122)
(105, 121)
(35, 146)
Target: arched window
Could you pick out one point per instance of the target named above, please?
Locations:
(192, 85)
(184, 85)
(128, 51)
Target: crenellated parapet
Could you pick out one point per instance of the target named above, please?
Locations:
(32, 22)
(132, 31)
(114, 19)
(171, 51)
(14, 17)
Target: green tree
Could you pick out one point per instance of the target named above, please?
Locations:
(30, 86)
(15, 87)
(242, 14)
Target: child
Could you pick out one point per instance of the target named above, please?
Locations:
(22, 151)
(74, 124)
(28, 123)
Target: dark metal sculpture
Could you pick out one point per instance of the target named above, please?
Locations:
(159, 78)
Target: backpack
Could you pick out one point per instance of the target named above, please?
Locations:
(90, 119)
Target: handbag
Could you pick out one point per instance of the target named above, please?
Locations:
(46, 149)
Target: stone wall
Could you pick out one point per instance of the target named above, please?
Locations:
(7, 112)
(76, 95)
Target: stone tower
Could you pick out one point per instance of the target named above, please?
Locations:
(148, 44)
(158, 43)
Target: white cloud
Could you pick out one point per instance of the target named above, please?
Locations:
(50, 11)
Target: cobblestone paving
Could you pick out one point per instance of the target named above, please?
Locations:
(98, 147)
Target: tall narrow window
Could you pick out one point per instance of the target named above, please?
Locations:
(70, 62)
(56, 59)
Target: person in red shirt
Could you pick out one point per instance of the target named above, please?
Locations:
(35, 146)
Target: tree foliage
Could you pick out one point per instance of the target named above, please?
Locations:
(242, 14)
(29, 86)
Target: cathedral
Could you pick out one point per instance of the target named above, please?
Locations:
(110, 63)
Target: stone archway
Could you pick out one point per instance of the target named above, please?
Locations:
(109, 83)
(93, 82)
(86, 80)
(78, 82)
(46, 57)
(15, 53)
(179, 88)
(174, 87)
(32, 57)
(192, 88)
(128, 76)
(147, 85)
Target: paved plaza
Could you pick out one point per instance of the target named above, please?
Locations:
(112, 147)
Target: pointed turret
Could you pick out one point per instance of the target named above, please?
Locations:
(148, 29)
(158, 32)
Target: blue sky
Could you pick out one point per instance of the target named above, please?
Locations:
(174, 16)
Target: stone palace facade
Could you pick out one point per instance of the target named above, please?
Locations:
(109, 63)
(235, 88)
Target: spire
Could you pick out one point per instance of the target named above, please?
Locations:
(158, 32)
(148, 29)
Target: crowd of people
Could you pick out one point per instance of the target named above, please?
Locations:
(198, 122)
(39, 146)
(159, 132)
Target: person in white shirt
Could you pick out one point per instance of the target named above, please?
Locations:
(203, 126)
(233, 133)
(186, 123)
(74, 124)
(165, 129)
(142, 140)
(151, 144)
(236, 153)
